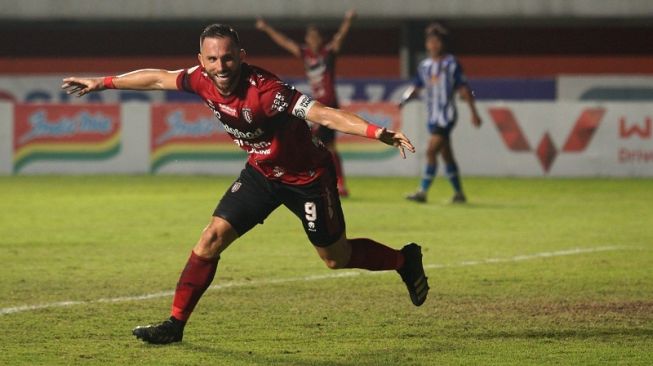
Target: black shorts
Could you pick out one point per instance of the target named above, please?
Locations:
(442, 131)
(252, 198)
(325, 134)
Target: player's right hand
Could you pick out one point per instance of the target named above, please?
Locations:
(81, 86)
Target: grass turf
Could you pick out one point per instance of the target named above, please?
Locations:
(104, 237)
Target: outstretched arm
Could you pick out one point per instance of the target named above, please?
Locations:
(467, 95)
(341, 34)
(352, 124)
(279, 38)
(145, 79)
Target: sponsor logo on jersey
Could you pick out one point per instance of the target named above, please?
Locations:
(279, 103)
(311, 226)
(65, 132)
(228, 110)
(236, 133)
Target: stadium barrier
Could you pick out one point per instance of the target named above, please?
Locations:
(516, 139)
(157, 138)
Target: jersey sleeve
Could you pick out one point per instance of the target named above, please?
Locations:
(459, 78)
(418, 80)
(187, 79)
(278, 97)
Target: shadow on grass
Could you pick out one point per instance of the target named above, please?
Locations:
(290, 356)
(566, 333)
(489, 205)
(282, 357)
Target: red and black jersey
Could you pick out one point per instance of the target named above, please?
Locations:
(320, 70)
(265, 117)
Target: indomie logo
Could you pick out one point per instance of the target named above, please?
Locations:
(178, 126)
(577, 140)
(83, 122)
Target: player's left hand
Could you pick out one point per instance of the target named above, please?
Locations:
(397, 139)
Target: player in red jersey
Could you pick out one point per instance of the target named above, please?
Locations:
(319, 63)
(286, 165)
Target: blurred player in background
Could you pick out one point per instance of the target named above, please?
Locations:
(286, 166)
(320, 64)
(442, 76)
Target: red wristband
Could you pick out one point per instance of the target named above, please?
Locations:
(371, 130)
(108, 82)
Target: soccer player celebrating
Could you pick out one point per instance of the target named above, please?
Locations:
(441, 75)
(285, 165)
(319, 62)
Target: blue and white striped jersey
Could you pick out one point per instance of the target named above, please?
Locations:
(441, 79)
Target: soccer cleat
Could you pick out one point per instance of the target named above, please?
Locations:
(412, 273)
(419, 196)
(458, 198)
(168, 331)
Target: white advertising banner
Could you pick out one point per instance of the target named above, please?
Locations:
(75, 139)
(557, 139)
(6, 137)
(562, 139)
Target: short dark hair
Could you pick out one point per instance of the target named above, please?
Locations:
(220, 31)
(437, 30)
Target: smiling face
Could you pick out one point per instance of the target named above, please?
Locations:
(222, 59)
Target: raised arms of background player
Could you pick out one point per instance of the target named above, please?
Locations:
(294, 48)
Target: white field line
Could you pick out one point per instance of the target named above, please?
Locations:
(156, 295)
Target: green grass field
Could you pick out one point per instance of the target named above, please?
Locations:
(531, 271)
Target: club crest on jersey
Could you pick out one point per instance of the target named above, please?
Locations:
(247, 114)
(236, 187)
